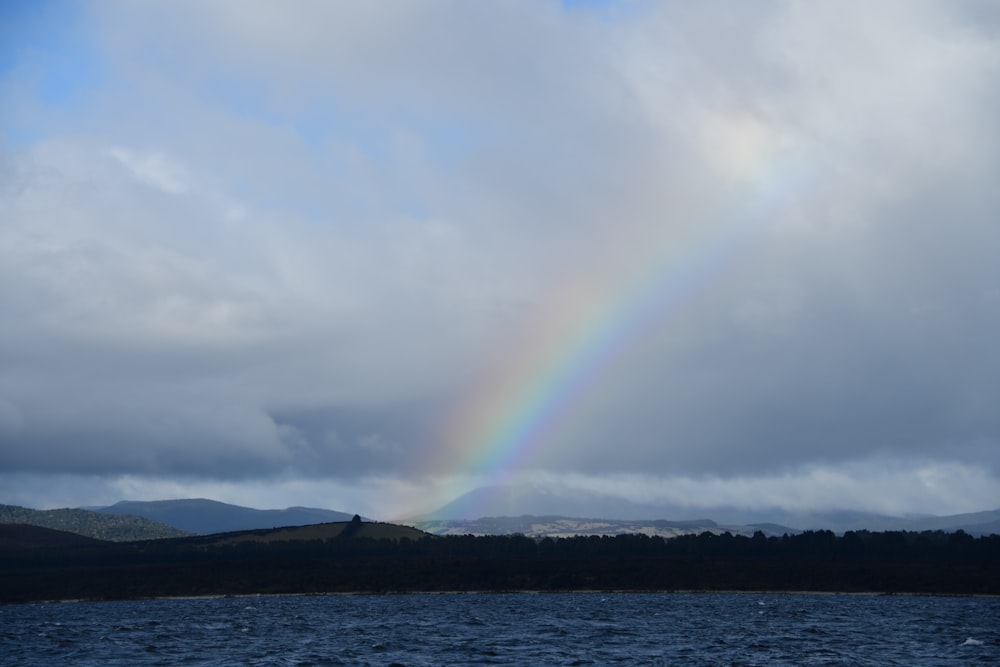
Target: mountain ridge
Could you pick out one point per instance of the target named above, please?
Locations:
(581, 515)
(204, 516)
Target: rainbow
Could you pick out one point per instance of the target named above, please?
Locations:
(593, 327)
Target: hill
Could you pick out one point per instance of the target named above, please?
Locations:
(25, 536)
(323, 531)
(115, 528)
(198, 515)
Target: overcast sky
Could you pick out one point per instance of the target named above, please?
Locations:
(369, 255)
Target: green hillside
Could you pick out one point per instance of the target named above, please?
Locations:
(205, 517)
(114, 528)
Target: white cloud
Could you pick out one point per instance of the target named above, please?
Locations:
(154, 169)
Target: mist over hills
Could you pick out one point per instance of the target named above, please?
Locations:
(533, 501)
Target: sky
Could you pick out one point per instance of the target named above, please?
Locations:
(368, 256)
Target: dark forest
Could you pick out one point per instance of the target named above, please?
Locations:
(886, 562)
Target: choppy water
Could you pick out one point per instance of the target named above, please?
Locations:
(508, 629)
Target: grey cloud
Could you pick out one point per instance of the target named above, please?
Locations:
(297, 256)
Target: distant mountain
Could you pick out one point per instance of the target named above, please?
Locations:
(203, 516)
(529, 500)
(533, 500)
(119, 528)
(975, 523)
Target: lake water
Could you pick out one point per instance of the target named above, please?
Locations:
(508, 629)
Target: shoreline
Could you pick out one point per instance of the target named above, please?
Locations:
(485, 592)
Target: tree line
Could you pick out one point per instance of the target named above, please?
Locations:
(858, 561)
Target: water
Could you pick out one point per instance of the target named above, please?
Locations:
(508, 629)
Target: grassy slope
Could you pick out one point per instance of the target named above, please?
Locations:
(322, 531)
(120, 528)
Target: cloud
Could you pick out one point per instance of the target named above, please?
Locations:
(873, 484)
(287, 245)
(153, 169)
